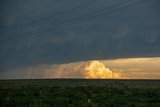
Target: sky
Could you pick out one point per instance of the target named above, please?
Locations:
(92, 38)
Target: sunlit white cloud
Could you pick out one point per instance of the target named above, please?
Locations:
(96, 69)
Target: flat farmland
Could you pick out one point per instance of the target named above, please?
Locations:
(79, 93)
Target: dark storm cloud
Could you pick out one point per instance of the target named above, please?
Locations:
(131, 32)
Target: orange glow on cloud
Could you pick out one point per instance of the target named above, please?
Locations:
(128, 68)
(84, 69)
(96, 69)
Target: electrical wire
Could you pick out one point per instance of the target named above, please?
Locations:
(76, 20)
(49, 17)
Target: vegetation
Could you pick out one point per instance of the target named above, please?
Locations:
(79, 93)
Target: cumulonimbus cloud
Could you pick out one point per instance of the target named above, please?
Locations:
(83, 69)
(127, 68)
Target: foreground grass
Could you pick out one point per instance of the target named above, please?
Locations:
(79, 93)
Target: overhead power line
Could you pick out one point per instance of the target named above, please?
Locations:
(79, 19)
(49, 17)
(118, 4)
(35, 10)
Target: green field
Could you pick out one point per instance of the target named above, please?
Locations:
(79, 93)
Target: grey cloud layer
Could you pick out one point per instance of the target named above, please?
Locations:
(131, 32)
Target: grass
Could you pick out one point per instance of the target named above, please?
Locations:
(79, 93)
